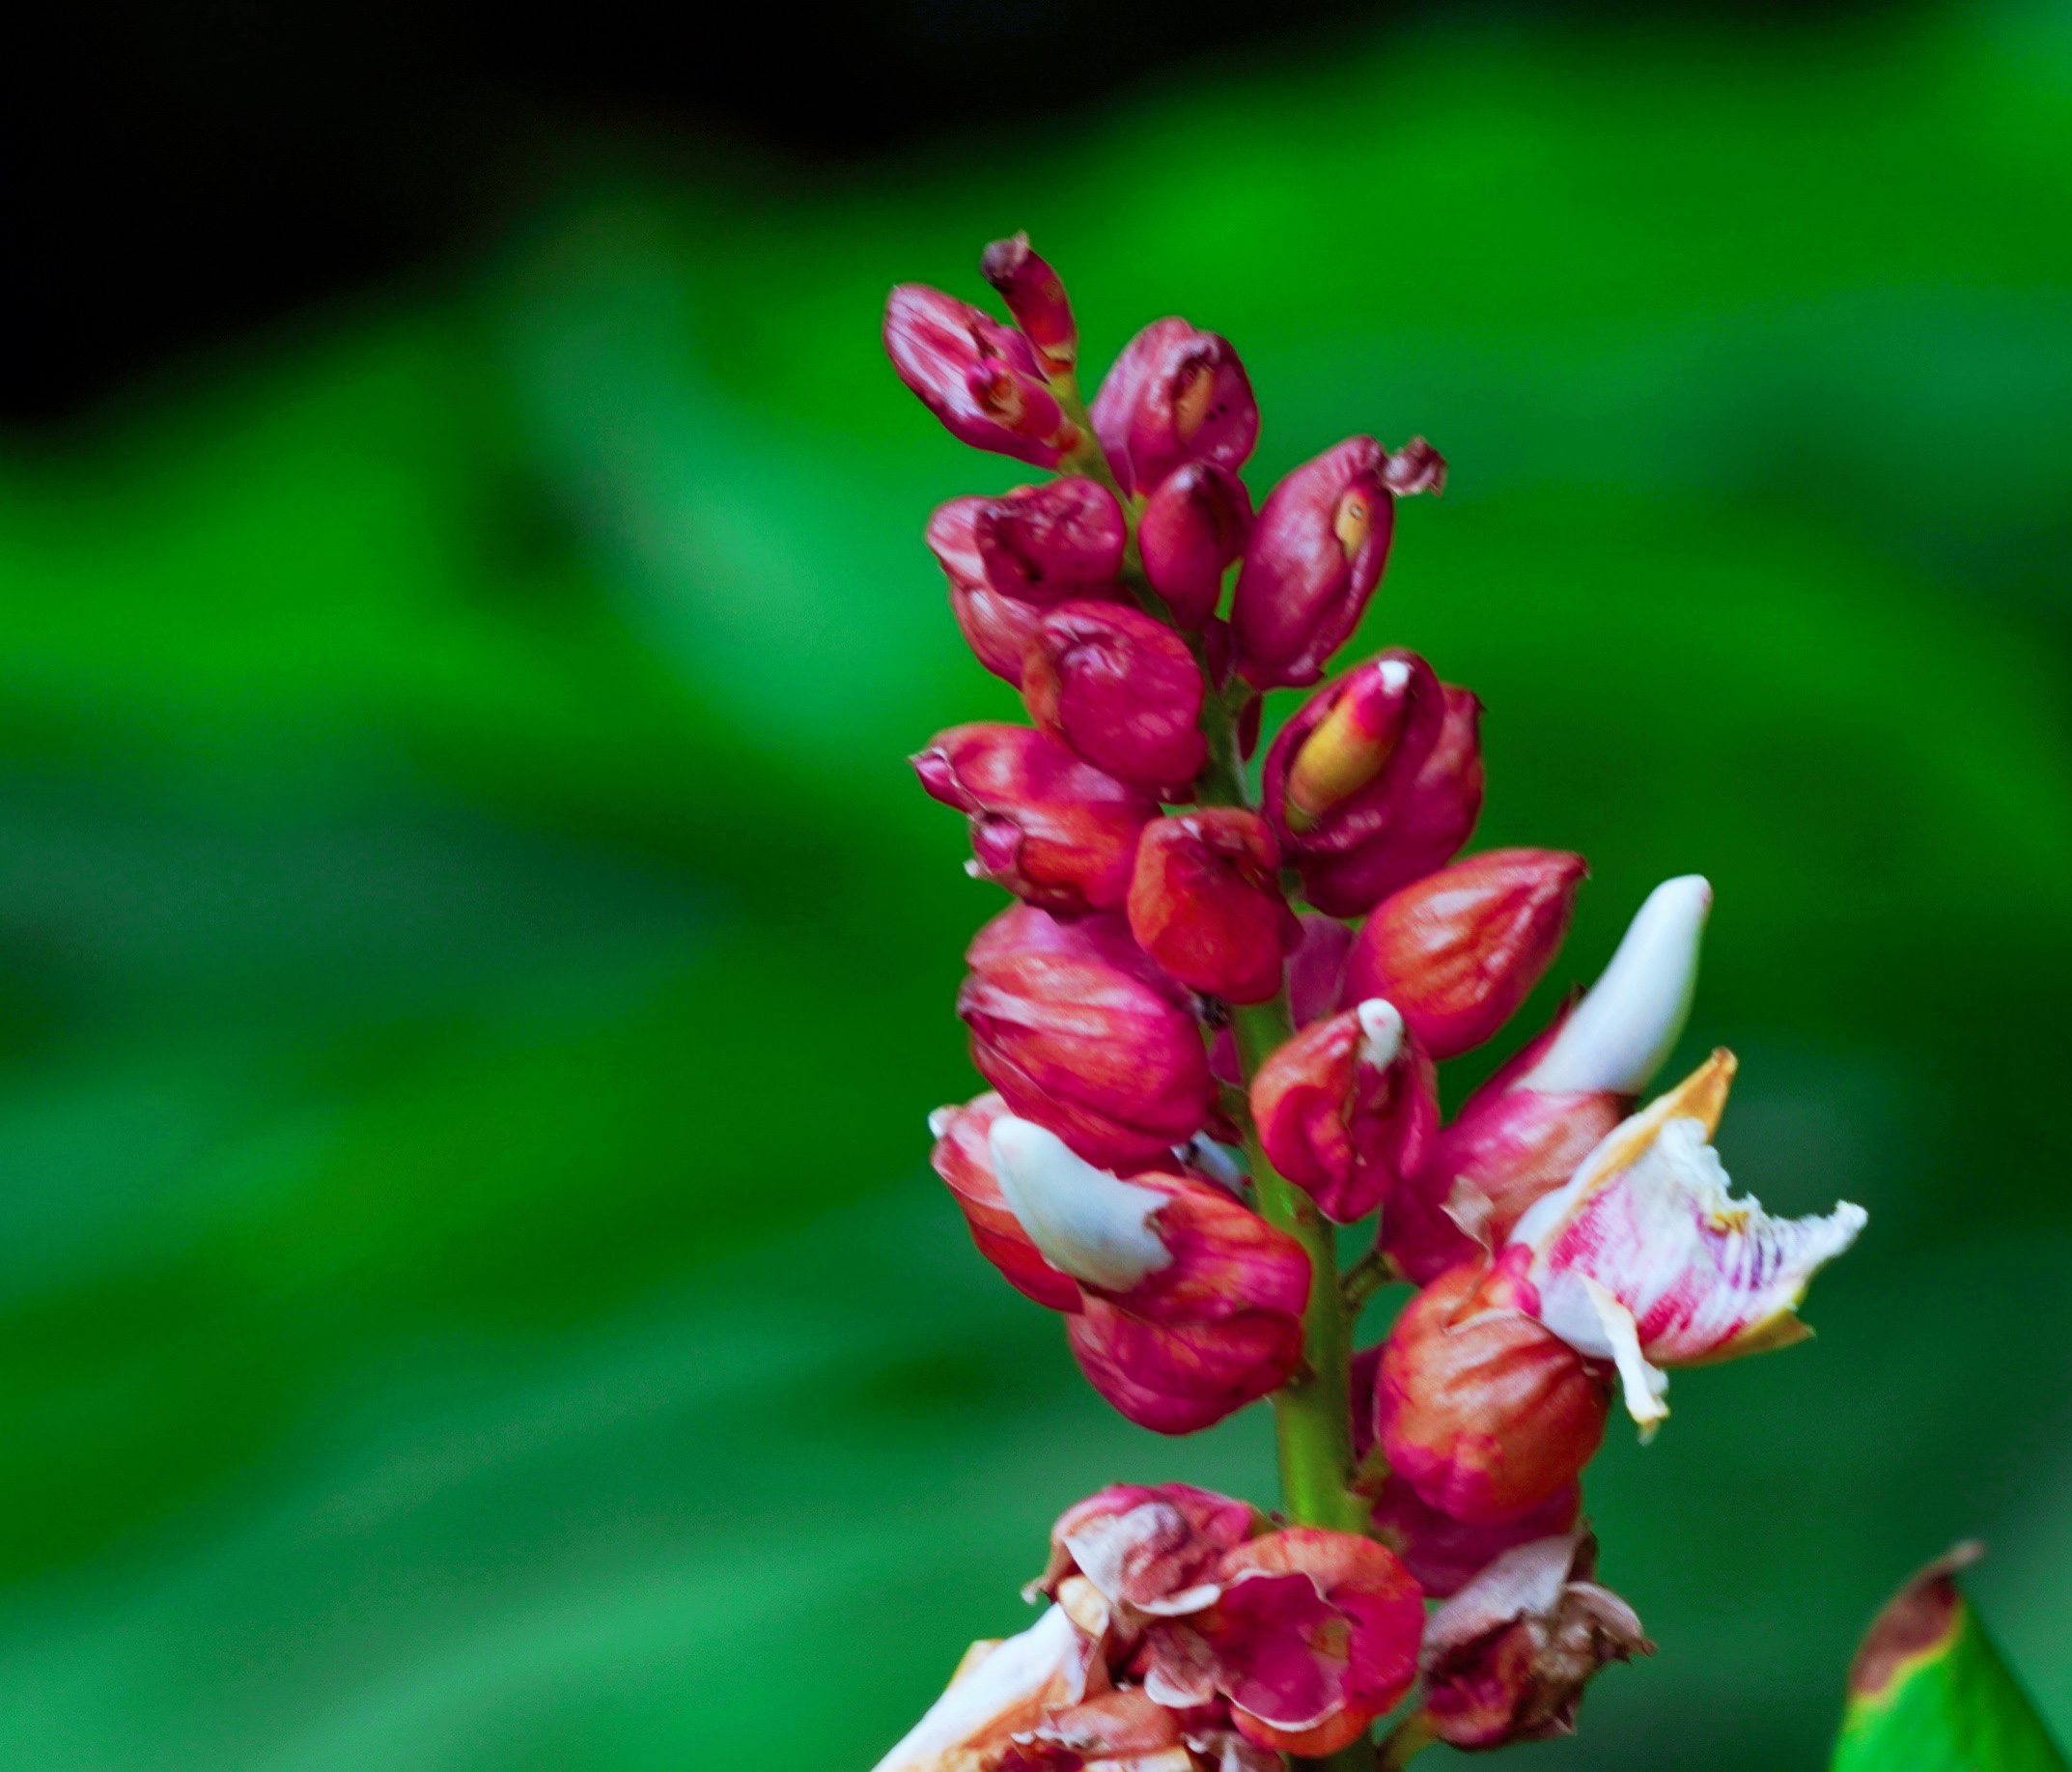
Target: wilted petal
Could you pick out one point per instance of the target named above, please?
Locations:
(1646, 1257)
(1154, 1547)
(1314, 1635)
(1000, 1690)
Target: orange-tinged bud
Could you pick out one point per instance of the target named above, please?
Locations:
(1459, 950)
(1481, 1410)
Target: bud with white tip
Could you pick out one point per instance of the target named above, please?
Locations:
(1346, 1108)
(1190, 1303)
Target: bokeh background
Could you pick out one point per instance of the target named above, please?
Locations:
(474, 963)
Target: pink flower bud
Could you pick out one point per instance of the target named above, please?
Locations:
(1191, 1304)
(1205, 903)
(1047, 827)
(982, 379)
(1316, 554)
(1174, 395)
(962, 1158)
(1009, 559)
(1313, 1635)
(1375, 781)
(1507, 1658)
(1103, 938)
(1084, 1044)
(1316, 970)
(1644, 1256)
(1122, 689)
(1483, 1412)
(1459, 950)
(1345, 1109)
(1194, 525)
(1525, 1132)
(1445, 1553)
(1035, 298)
(1154, 1548)
(1416, 467)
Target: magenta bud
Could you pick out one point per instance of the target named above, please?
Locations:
(1082, 1036)
(1035, 298)
(964, 1161)
(1316, 554)
(981, 379)
(1192, 526)
(1009, 559)
(1122, 689)
(1054, 543)
(1205, 903)
(1174, 395)
(1375, 781)
(1459, 950)
(1346, 1108)
(1049, 828)
(1104, 938)
(1316, 969)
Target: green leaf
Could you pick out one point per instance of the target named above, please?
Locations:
(1929, 1692)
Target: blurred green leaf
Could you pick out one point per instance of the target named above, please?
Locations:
(1929, 1692)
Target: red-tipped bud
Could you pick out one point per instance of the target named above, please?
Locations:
(1086, 1042)
(1345, 1109)
(1191, 1304)
(964, 1161)
(1375, 781)
(1047, 827)
(1459, 950)
(1103, 939)
(982, 379)
(1507, 1658)
(1194, 525)
(1151, 1547)
(1313, 1635)
(1035, 298)
(1316, 554)
(1009, 559)
(1484, 1412)
(1205, 903)
(1174, 395)
(1120, 688)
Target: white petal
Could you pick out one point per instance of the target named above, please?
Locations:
(1381, 1032)
(1650, 1217)
(1621, 1033)
(1084, 1221)
(1008, 1688)
(1645, 1385)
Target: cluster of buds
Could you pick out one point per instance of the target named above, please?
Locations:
(1212, 1021)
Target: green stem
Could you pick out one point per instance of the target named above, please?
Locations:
(1312, 1409)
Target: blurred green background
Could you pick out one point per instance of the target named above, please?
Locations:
(474, 965)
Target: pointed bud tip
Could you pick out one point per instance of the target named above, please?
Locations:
(1381, 1032)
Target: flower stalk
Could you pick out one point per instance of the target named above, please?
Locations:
(1189, 962)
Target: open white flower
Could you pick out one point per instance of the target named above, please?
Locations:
(1646, 1258)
